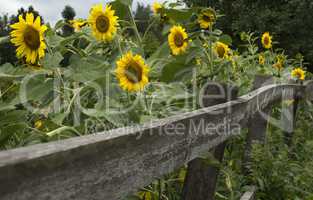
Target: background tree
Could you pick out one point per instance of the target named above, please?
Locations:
(22, 11)
(143, 18)
(68, 14)
(289, 20)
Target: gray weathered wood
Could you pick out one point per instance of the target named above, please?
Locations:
(201, 178)
(111, 164)
(257, 124)
(288, 116)
(249, 195)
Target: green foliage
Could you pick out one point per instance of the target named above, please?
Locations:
(281, 172)
(290, 21)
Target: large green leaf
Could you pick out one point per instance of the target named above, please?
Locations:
(226, 39)
(87, 69)
(118, 118)
(12, 117)
(121, 8)
(174, 70)
(52, 60)
(7, 132)
(35, 88)
(179, 15)
(162, 52)
(126, 2)
(7, 71)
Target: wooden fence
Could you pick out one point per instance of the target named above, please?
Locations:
(110, 165)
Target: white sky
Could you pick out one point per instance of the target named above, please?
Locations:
(51, 9)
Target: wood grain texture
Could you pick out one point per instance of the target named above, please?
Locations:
(257, 124)
(109, 165)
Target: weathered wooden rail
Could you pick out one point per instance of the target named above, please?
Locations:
(110, 165)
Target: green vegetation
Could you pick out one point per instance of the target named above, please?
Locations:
(289, 20)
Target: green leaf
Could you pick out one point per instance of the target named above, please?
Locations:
(87, 69)
(209, 160)
(162, 52)
(12, 117)
(6, 106)
(179, 15)
(8, 71)
(174, 70)
(226, 39)
(126, 2)
(53, 40)
(59, 24)
(36, 88)
(59, 118)
(7, 132)
(121, 8)
(118, 119)
(52, 60)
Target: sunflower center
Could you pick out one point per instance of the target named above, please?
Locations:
(266, 40)
(207, 18)
(32, 38)
(103, 23)
(179, 40)
(133, 72)
(220, 52)
(298, 74)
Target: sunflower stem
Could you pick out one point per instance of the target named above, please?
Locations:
(211, 48)
(118, 43)
(148, 29)
(134, 26)
(146, 100)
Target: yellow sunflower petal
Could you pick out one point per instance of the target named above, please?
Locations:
(29, 18)
(28, 36)
(131, 72)
(178, 40)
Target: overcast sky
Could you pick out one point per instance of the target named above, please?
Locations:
(51, 9)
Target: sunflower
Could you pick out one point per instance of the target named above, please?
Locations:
(38, 124)
(156, 8)
(207, 18)
(267, 40)
(281, 58)
(28, 36)
(78, 24)
(298, 73)
(132, 72)
(261, 59)
(198, 61)
(178, 40)
(221, 49)
(103, 22)
(278, 65)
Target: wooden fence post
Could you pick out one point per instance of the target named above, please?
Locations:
(288, 115)
(257, 124)
(201, 178)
